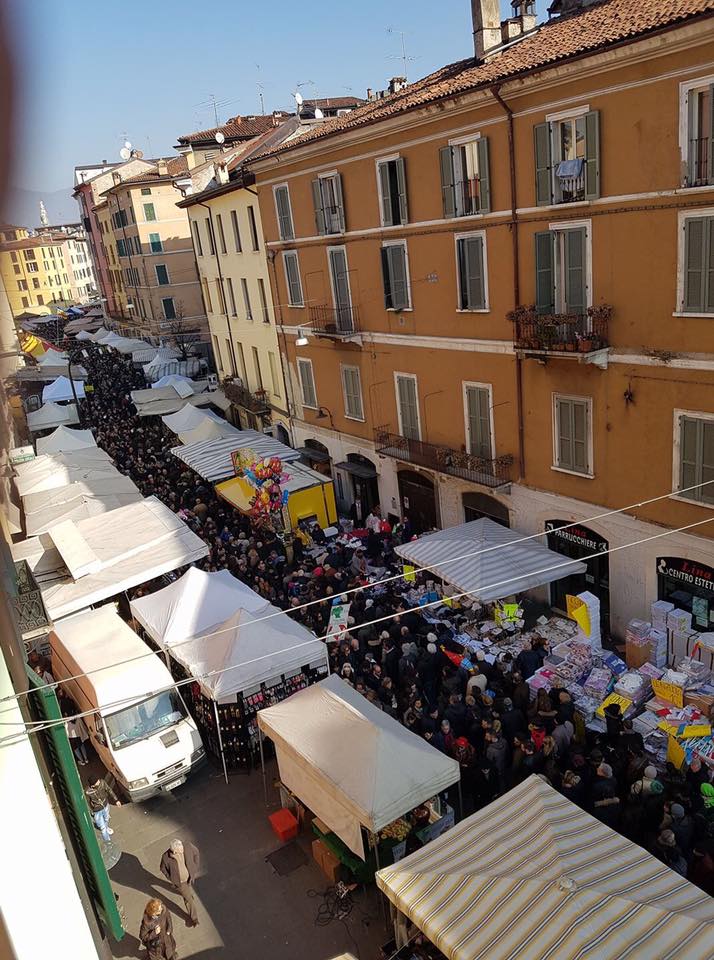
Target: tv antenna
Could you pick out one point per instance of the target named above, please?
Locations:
(405, 59)
(261, 86)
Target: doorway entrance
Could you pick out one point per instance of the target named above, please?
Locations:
(477, 505)
(357, 487)
(578, 543)
(418, 499)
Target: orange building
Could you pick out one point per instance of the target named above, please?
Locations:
(496, 294)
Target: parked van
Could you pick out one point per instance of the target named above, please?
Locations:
(140, 727)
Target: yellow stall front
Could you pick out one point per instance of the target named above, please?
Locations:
(311, 496)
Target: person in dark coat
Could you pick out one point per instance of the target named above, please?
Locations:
(528, 661)
(390, 658)
(512, 720)
(180, 865)
(603, 796)
(156, 932)
(521, 694)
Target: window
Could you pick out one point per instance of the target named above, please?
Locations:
(13, 256)
(256, 364)
(697, 258)
(340, 284)
(694, 438)
(162, 274)
(246, 299)
(221, 296)
(253, 228)
(121, 248)
(25, 302)
(465, 178)
(149, 212)
(477, 399)
(392, 185)
(229, 355)
(29, 255)
(352, 393)
(155, 243)
(211, 238)
(263, 301)
(241, 362)
(35, 283)
(284, 213)
(562, 270)
(197, 237)
(567, 158)
(572, 435)
(407, 406)
(18, 269)
(698, 146)
(236, 231)
(22, 284)
(146, 191)
(221, 234)
(292, 278)
(307, 383)
(32, 268)
(217, 352)
(395, 276)
(232, 298)
(206, 295)
(167, 304)
(471, 265)
(329, 205)
(40, 300)
(274, 377)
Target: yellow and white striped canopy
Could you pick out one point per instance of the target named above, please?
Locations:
(531, 876)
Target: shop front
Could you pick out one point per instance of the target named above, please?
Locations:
(357, 488)
(690, 586)
(580, 543)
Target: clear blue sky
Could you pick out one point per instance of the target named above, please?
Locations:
(91, 72)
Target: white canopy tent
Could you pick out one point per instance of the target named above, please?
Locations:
(209, 430)
(52, 415)
(485, 560)
(165, 400)
(147, 354)
(64, 439)
(53, 358)
(188, 418)
(76, 501)
(211, 459)
(84, 335)
(352, 764)
(126, 345)
(77, 564)
(172, 380)
(53, 470)
(100, 334)
(60, 390)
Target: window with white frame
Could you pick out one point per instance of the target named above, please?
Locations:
(407, 406)
(169, 308)
(563, 267)
(697, 125)
(155, 243)
(307, 383)
(694, 456)
(292, 278)
(221, 234)
(696, 283)
(329, 204)
(232, 297)
(572, 434)
(197, 237)
(162, 274)
(149, 212)
(465, 177)
(352, 393)
(283, 211)
(477, 403)
(246, 299)
(341, 291)
(392, 185)
(395, 276)
(567, 157)
(471, 271)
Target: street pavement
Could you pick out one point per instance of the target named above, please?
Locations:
(246, 910)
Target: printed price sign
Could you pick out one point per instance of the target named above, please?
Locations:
(622, 702)
(669, 692)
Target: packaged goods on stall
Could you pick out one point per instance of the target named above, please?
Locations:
(679, 620)
(636, 644)
(660, 611)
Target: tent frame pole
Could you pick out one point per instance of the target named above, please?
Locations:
(461, 801)
(380, 895)
(220, 739)
(262, 764)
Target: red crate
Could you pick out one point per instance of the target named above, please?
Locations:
(284, 824)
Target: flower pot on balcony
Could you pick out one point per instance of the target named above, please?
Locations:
(586, 346)
(571, 347)
(558, 346)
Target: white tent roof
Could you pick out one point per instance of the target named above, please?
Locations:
(172, 380)
(188, 418)
(532, 876)
(53, 470)
(208, 622)
(65, 439)
(127, 345)
(84, 335)
(76, 501)
(350, 762)
(100, 334)
(483, 559)
(165, 400)
(162, 356)
(211, 459)
(51, 415)
(112, 339)
(208, 430)
(118, 550)
(53, 358)
(148, 354)
(61, 390)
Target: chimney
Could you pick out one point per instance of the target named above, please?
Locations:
(221, 170)
(370, 94)
(523, 20)
(486, 15)
(162, 167)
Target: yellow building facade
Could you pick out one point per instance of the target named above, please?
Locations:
(37, 272)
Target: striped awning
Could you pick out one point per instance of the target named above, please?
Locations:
(211, 459)
(533, 876)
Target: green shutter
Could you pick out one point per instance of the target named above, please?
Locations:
(340, 201)
(341, 288)
(565, 433)
(447, 181)
(472, 287)
(694, 243)
(709, 265)
(386, 278)
(545, 274)
(592, 155)
(710, 157)
(484, 175)
(579, 436)
(688, 468)
(478, 406)
(319, 208)
(406, 389)
(691, 144)
(575, 281)
(544, 183)
(398, 273)
(385, 189)
(402, 187)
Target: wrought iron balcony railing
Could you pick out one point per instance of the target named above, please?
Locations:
(242, 397)
(456, 463)
(327, 321)
(699, 173)
(560, 332)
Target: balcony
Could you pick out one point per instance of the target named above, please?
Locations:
(561, 334)
(456, 463)
(569, 181)
(698, 174)
(466, 196)
(240, 396)
(338, 323)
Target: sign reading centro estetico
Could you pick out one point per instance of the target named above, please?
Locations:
(687, 572)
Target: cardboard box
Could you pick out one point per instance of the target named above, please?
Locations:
(701, 701)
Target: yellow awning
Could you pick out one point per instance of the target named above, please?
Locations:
(32, 345)
(237, 492)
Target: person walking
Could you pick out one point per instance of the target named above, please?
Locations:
(78, 736)
(98, 796)
(156, 932)
(180, 866)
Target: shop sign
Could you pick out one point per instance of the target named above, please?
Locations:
(21, 455)
(590, 541)
(687, 572)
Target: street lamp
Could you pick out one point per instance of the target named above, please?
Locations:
(73, 357)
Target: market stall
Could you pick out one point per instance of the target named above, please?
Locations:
(60, 390)
(532, 876)
(188, 417)
(209, 430)
(51, 470)
(243, 652)
(213, 460)
(351, 764)
(63, 439)
(51, 415)
(76, 501)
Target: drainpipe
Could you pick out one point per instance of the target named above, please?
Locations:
(220, 277)
(495, 90)
(270, 256)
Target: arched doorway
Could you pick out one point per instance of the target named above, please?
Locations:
(357, 488)
(581, 543)
(282, 434)
(477, 505)
(316, 455)
(418, 500)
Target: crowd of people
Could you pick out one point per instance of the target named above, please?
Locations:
(406, 664)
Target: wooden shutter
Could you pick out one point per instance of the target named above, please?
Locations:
(545, 274)
(543, 163)
(471, 280)
(688, 460)
(579, 412)
(484, 176)
(386, 194)
(408, 409)
(402, 187)
(479, 414)
(447, 181)
(707, 461)
(319, 207)
(353, 394)
(695, 230)
(691, 143)
(309, 397)
(284, 219)
(386, 278)
(709, 265)
(710, 157)
(575, 280)
(399, 282)
(292, 272)
(564, 438)
(341, 289)
(592, 155)
(339, 200)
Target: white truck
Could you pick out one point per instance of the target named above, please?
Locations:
(139, 724)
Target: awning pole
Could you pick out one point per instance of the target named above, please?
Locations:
(262, 764)
(461, 802)
(220, 739)
(380, 895)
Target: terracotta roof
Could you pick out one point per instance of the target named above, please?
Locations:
(175, 167)
(29, 242)
(602, 25)
(237, 128)
(335, 103)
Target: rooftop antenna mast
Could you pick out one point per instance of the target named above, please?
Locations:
(260, 85)
(212, 98)
(403, 57)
